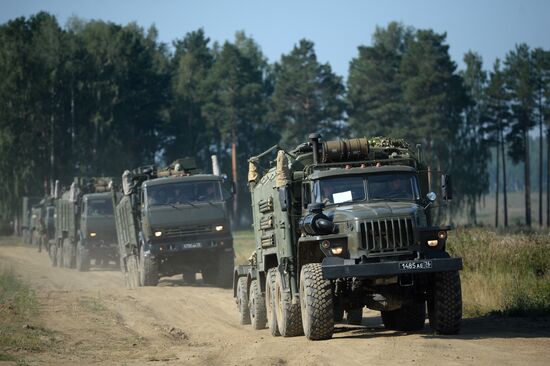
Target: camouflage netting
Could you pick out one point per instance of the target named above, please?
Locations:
(380, 141)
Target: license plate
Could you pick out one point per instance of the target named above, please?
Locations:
(407, 266)
(191, 245)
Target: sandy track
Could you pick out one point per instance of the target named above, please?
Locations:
(95, 319)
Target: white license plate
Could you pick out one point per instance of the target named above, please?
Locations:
(192, 245)
(407, 266)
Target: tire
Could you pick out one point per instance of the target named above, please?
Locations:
(256, 306)
(289, 318)
(82, 257)
(445, 303)
(59, 253)
(316, 303)
(68, 253)
(209, 276)
(242, 301)
(189, 277)
(53, 255)
(354, 316)
(148, 270)
(132, 271)
(270, 302)
(226, 263)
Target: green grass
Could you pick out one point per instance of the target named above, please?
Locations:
(243, 242)
(503, 273)
(20, 330)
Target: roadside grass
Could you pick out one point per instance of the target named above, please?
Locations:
(20, 331)
(243, 242)
(504, 273)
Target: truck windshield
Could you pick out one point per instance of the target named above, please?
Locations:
(100, 207)
(401, 186)
(183, 192)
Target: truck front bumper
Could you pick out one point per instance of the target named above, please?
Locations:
(334, 267)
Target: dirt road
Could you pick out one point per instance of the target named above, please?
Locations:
(94, 319)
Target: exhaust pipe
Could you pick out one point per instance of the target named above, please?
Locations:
(215, 165)
(314, 140)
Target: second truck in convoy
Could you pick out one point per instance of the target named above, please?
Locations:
(340, 225)
(174, 221)
(84, 225)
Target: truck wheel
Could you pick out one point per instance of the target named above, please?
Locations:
(82, 257)
(59, 253)
(189, 276)
(53, 255)
(445, 303)
(68, 253)
(148, 270)
(242, 301)
(270, 302)
(409, 317)
(226, 264)
(289, 319)
(132, 271)
(316, 303)
(209, 275)
(256, 306)
(354, 316)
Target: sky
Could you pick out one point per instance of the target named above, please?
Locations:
(489, 27)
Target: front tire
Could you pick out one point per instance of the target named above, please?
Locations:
(148, 270)
(82, 257)
(226, 263)
(270, 302)
(445, 303)
(256, 306)
(53, 255)
(289, 318)
(131, 274)
(242, 301)
(316, 303)
(59, 253)
(68, 253)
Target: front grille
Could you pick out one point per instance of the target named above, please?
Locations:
(175, 232)
(387, 235)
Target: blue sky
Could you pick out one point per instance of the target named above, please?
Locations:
(489, 27)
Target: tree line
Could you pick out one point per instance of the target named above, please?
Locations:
(96, 98)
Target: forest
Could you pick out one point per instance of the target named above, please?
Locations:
(95, 98)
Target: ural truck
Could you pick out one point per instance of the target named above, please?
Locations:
(85, 225)
(174, 221)
(25, 219)
(340, 225)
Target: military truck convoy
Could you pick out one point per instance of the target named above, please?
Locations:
(340, 225)
(84, 225)
(174, 221)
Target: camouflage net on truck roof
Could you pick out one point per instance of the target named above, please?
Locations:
(380, 141)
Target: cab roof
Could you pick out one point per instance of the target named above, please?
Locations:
(339, 171)
(185, 178)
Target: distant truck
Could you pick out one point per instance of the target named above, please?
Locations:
(174, 221)
(42, 223)
(25, 218)
(340, 225)
(84, 225)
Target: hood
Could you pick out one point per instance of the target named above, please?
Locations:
(372, 210)
(186, 215)
(103, 226)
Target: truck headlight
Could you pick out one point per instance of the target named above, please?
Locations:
(93, 235)
(442, 235)
(219, 228)
(432, 243)
(158, 234)
(337, 250)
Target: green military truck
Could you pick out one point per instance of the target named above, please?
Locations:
(85, 225)
(174, 221)
(25, 218)
(340, 225)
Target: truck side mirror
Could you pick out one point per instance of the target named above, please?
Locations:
(284, 198)
(306, 195)
(446, 187)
